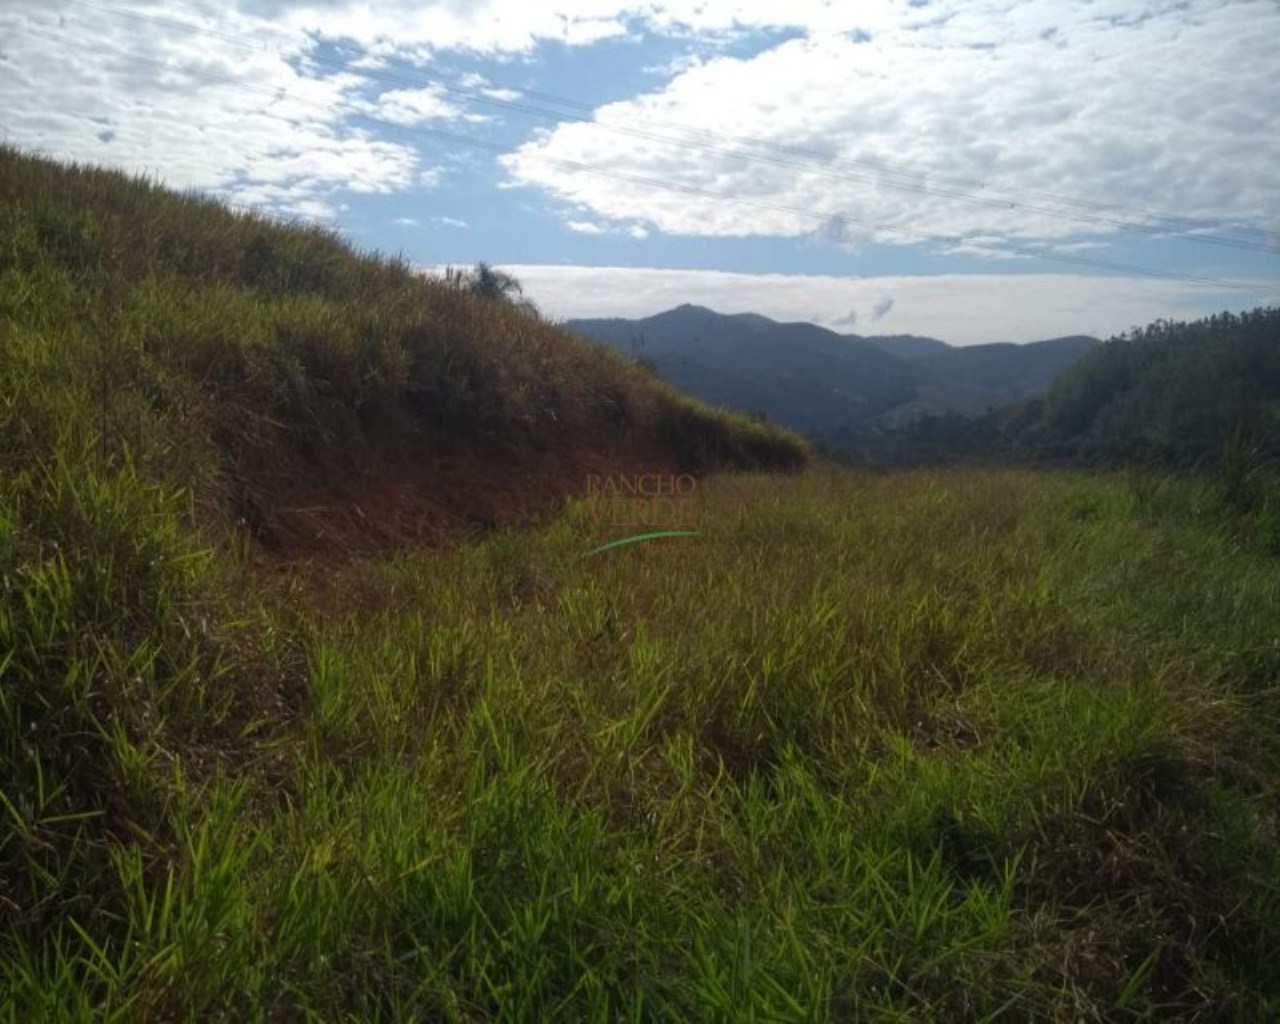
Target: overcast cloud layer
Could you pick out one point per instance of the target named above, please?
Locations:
(955, 135)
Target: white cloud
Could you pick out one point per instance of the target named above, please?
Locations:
(590, 227)
(986, 247)
(449, 222)
(1070, 247)
(233, 113)
(407, 222)
(959, 308)
(515, 26)
(409, 107)
(951, 120)
(432, 176)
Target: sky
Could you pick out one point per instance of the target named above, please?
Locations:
(972, 170)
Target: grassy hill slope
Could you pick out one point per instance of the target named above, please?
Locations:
(279, 376)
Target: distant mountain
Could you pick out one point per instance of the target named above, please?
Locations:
(1019, 370)
(908, 346)
(798, 374)
(828, 384)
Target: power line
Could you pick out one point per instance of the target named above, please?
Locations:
(965, 190)
(657, 184)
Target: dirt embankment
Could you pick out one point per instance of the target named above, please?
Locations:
(376, 502)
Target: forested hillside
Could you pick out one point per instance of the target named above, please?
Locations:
(1175, 394)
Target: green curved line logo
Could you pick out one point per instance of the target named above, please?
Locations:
(640, 537)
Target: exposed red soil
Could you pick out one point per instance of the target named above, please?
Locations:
(372, 504)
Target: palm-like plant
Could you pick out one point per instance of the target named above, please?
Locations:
(490, 283)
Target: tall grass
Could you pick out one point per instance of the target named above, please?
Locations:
(889, 747)
(225, 351)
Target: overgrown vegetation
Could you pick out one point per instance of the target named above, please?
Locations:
(928, 745)
(922, 745)
(1170, 393)
(1194, 395)
(224, 352)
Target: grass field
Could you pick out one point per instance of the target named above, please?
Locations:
(929, 745)
(912, 746)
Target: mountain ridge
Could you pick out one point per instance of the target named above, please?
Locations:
(826, 383)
